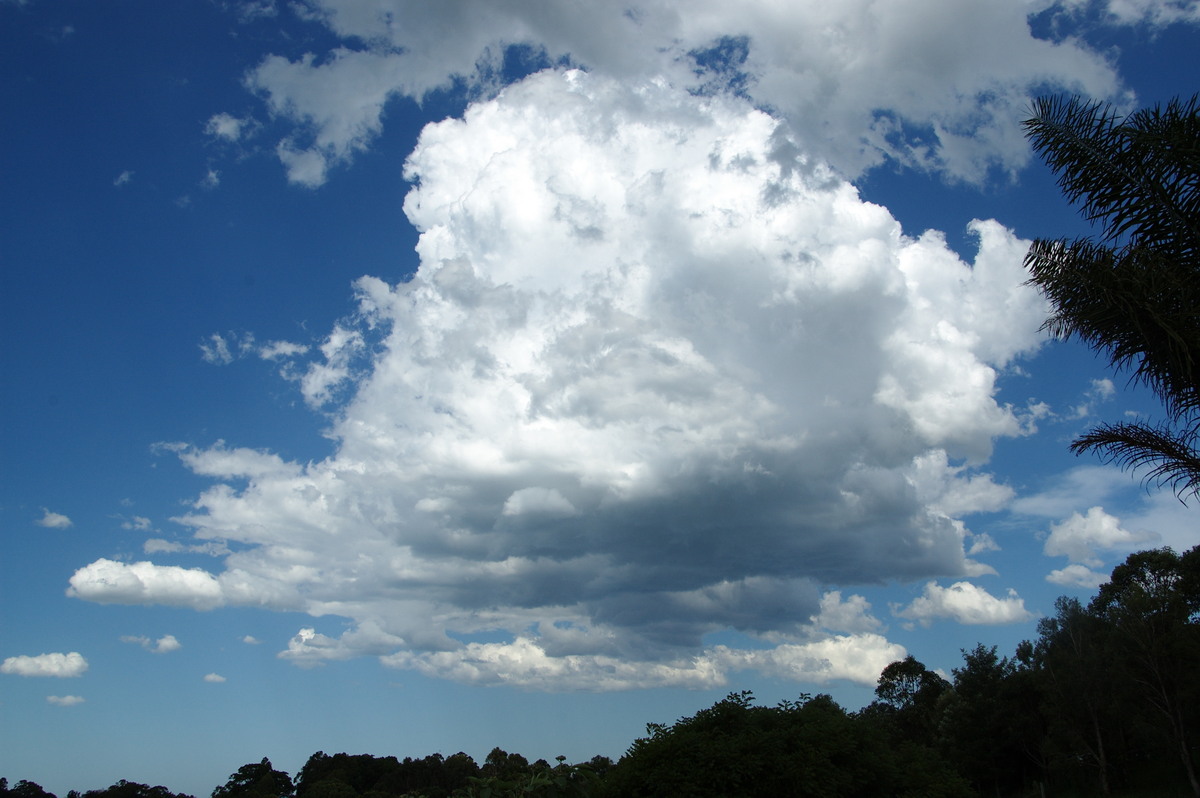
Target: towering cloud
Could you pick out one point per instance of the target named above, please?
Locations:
(660, 373)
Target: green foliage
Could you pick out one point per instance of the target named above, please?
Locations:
(1133, 293)
(132, 789)
(344, 775)
(1116, 679)
(259, 780)
(23, 789)
(811, 747)
(508, 780)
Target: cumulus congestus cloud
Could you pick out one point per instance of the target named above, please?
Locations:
(659, 374)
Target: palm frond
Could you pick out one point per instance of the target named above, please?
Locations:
(1170, 456)
(1129, 304)
(1135, 176)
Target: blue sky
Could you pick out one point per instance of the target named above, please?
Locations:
(396, 378)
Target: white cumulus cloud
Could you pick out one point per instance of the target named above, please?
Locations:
(1076, 575)
(111, 582)
(214, 678)
(52, 520)
(65, 700)
(227, 127)
(660, 374)
(1081, 537)
(57, 665)
(965, 603)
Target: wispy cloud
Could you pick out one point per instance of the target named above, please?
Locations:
(164, 645)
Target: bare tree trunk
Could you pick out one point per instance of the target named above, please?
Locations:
(1101, 757)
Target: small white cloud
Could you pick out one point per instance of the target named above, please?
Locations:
(137, 522)
(214, 678)
(58, 665)
(164, 645)
(852, 615)
(251, 640)
(211, 179)
(1079, 537)
(281, 349)
(65, 700)
(304, 167)
(965, 603)
(52, 520)
(123, 178)
(226, 126)
(1100, 391)
(111, 582)
(1076, 575)
(538, 501)
(309, 648)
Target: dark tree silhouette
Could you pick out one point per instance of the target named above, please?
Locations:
(1133, 293)
(259, 780)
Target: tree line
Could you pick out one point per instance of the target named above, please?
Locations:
(1104, 701)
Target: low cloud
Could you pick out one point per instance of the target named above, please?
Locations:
(111, 582)
(57, 665)
(524, 663)
(214, 678)
(964, 603)
(52, 520)
(164, 645)
(137, 522)
(228, 127)
(1080, 538)
(1076, 575)
(65, 700)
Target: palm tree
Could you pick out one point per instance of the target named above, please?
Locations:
(1133, 293)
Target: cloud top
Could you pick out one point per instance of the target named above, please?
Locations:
(935, 84)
